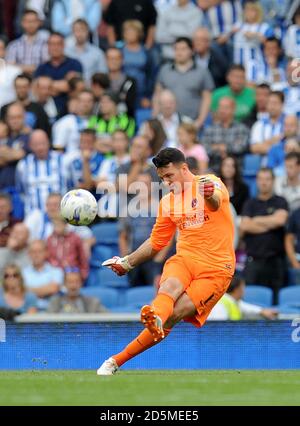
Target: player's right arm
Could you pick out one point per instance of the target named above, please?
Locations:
(142, 254)
(162, 233)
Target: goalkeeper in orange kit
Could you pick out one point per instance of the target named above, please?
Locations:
(197, 276)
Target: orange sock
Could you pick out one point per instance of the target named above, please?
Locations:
(163, 305)
(137, 346)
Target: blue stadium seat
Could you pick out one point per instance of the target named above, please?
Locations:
(109, 297)
(290, 296)
(291, 278)
(258, 295)
(141, 115)
(251, 164)
(288, 309)
(17, 202)
(136, 297)
(106, 233)
(251, 182)
(92, 279)
(107, 278)
(101, 253)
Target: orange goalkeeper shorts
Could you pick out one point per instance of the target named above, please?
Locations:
(203, 287)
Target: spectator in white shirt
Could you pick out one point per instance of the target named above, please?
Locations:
(291, 88)
(291, 40)
(106, 179)
(82, 166)
(271, 68)
(40, 172)
(268, 131)
(119, 145)
(289, 143)
(250, 34)
(8, 73)
(169, 117)
(66, 131)
(40, 277)
(232, 307)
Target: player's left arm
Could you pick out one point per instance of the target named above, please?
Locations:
(211, 188)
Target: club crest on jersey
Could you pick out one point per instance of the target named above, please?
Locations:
(194, 202)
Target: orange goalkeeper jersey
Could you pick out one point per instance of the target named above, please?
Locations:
(203, 235)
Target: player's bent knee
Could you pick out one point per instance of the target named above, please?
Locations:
(172, 286)
(184, 307)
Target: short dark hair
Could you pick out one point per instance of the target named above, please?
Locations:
(266, 170)
(113, 96)
(91, 132)
(185, 40)
(293, 156)
(101, 79)
(74, 81)
(237, 178)
(81, 21)
(56, 33)
(273, 38)
(280, 95)
(114, 48)
(236, 67)
(236, 281)
(263, 86)
(29, 12)
(24, 76)
(167, 156)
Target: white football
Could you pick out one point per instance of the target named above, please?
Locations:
(79, 207)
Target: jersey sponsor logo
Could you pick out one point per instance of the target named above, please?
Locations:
(194, 202)
(188, 221)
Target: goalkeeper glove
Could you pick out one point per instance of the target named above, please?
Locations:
(119, 265)
(207, 187)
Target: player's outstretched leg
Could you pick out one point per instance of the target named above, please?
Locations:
(153, 317)
(144, 341)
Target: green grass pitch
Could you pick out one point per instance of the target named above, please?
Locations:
(176, 387)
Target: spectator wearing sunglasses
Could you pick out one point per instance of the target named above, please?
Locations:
(13, 294)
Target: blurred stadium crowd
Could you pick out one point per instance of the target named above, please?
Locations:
(93, 89)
